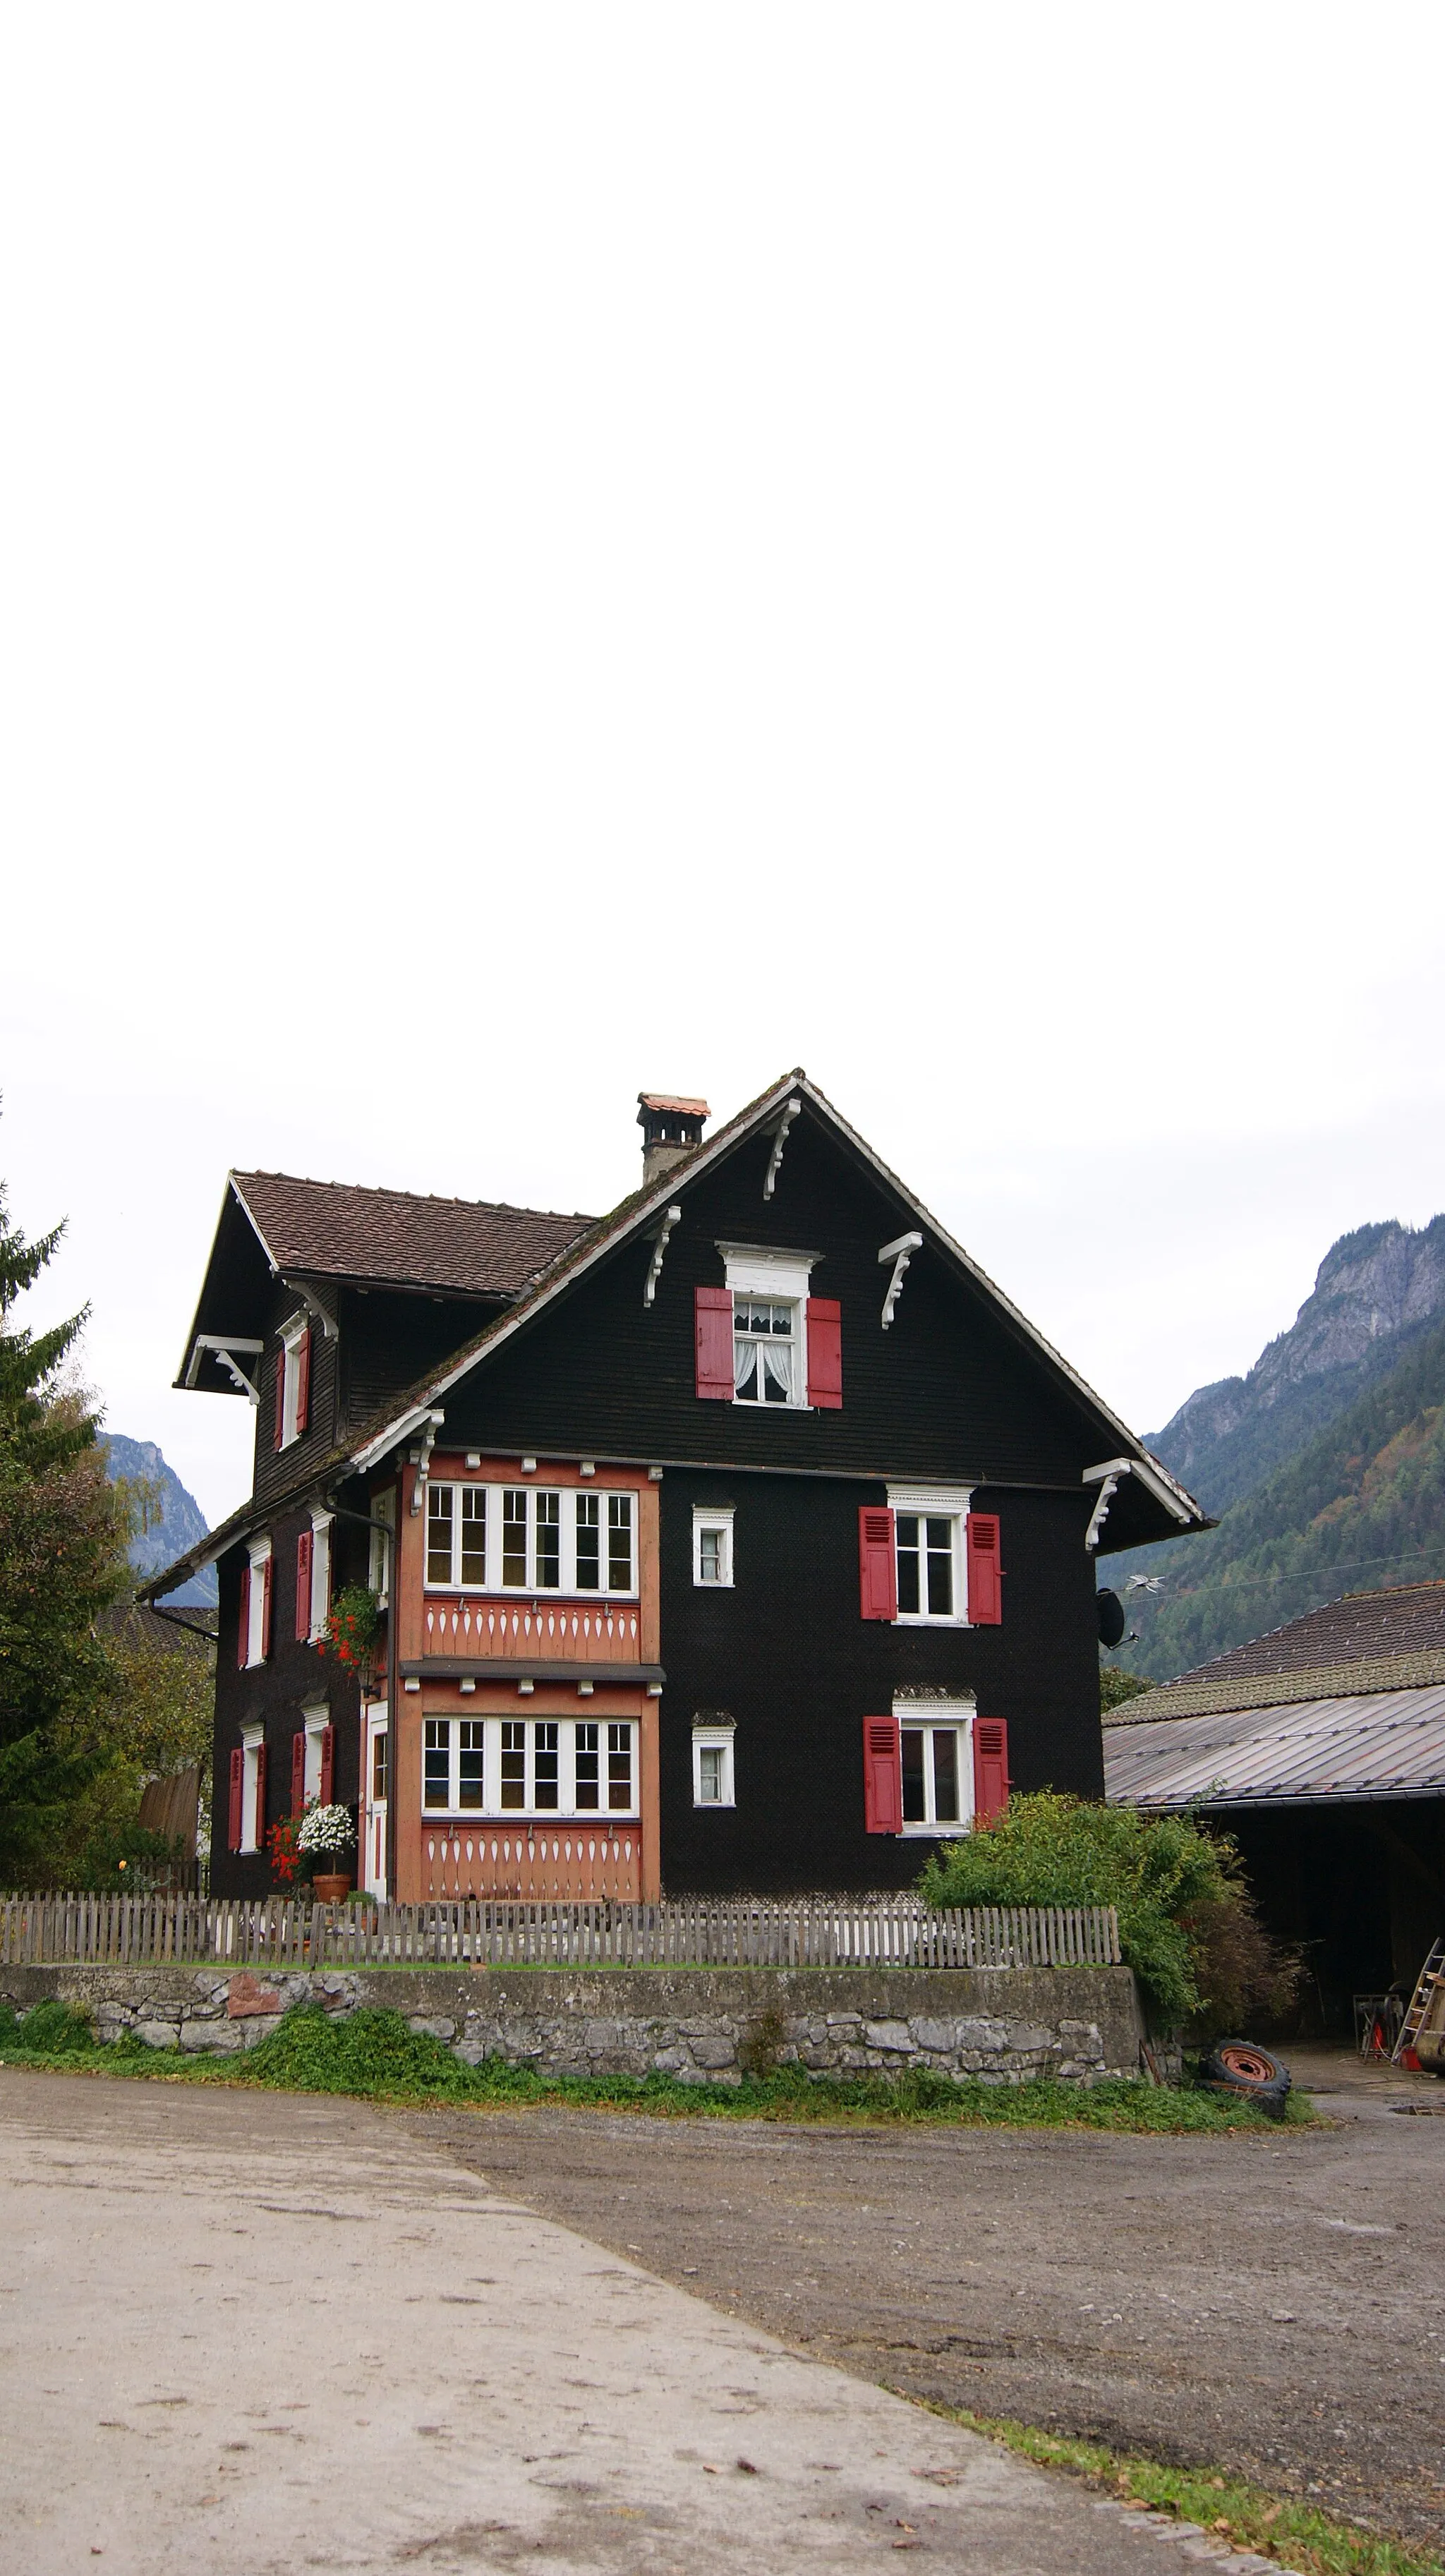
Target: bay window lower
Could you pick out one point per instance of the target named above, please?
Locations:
(539, 1767)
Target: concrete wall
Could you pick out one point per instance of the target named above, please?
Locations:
(702, 2025)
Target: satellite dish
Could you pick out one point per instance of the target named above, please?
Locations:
(1111, 1618)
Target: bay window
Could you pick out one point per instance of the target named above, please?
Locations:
(530, 1538)
(529, 1766)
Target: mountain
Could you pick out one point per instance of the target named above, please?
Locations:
(1325, 1463)
(182, 1521)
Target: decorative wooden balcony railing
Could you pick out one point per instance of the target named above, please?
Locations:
(558, 1864)
(560, 1631)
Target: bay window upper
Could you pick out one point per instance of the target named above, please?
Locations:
(531, 1538)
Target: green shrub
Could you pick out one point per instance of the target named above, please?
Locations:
(371, 2051)
(1053, 1850)
(49, 2029)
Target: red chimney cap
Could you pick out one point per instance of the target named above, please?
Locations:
(667, 1100)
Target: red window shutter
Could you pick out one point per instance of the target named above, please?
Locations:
(303, 1380)
(877, 1570)
(238, 1791)
(882, 1776)
(990, 1769)
(713, 1323)
(280, 1395)
(985, 1574)
(328, 1764)
(261, 1797)
(825, 1352)
(303, 1587)
(298, 1771)
(266, 1607)
(243, 1626)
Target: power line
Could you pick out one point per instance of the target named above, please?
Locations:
(1318, 1574)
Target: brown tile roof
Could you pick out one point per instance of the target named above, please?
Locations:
(1364, 1642)
(329, 1229)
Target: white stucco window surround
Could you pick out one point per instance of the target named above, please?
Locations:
(316, 1722)
(935, 1742)
(770, 1343)
(929, 1553)
(259, 1556)
(320, 1572)
(252, 1739)
(713, 1780)
(712, 1545)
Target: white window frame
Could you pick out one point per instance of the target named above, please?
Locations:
(292, 1336)
(259, 1555)
(252, 1739)
(320, 1573)
(571, 1499)
(315, 1721)
(780, 1278)
(492, 1812)
(956, 1717)
(714, 1739)
(935, 1502)
(383, 1541)
(713, 1520)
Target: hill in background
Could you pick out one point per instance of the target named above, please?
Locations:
(182, 1520)
(1326, 1464)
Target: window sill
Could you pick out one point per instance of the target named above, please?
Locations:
(530, 1600)
(928, 1619)
(935, 1833)
(549, 1818)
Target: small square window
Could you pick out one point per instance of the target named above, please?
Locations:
(712, 1546)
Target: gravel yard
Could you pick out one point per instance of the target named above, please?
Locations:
(1270, 2303)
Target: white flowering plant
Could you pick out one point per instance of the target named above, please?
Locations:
(326, 1832)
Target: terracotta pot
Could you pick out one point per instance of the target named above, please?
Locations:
(331, 1887)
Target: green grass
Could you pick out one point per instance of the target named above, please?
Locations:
(375, 2056)
(1292, 2530)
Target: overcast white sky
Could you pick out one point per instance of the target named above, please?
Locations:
(553, 550)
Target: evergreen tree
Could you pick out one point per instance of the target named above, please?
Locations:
(63, 1533)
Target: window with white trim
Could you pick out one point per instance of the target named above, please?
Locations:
(530, 1538)
(292, 1337)
(320, 1573)
(529, 1766)
(712, 1765)
(252, 1739)
(936, 1749)
(259, 1557)
(378, 1572)
(712, 1544)
(315, 1721)
(770, 1349)
(929, 1553)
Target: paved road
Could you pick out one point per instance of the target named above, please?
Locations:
(1271, 2303)
(249, 2334)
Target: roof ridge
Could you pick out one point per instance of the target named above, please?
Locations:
(1364, 1677)
(417, 1198)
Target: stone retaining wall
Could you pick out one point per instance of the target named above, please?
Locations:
(703, 2025)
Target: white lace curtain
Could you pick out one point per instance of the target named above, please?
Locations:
(776, 1360)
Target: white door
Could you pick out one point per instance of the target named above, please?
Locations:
(378, 1765)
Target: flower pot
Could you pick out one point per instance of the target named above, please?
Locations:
(331, 1886)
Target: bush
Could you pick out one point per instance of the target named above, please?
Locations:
(49, 2029)
(1242, 1972)
(1160, 1872)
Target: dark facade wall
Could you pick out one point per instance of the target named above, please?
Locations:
(949, 1391)
(278, 1469)
(787, 1654)
(293, 1677)
(388, 1341)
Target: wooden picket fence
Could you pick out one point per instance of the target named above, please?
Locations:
(478, 1932)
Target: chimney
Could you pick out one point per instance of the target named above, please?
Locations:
(670, 1130)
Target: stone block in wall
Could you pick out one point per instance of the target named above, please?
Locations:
(197, 2036)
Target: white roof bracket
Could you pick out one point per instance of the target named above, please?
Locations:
(1107, 1479)
(423, 1461)
(793, 1109)
(900, 1253)
(659, 1247)
(222, 1347)
(315, 1304)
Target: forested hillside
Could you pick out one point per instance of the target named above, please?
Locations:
(1326, 1464)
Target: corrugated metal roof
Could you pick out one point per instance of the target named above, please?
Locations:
(1316, 1752)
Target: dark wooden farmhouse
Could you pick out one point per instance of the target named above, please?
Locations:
(739, 1541)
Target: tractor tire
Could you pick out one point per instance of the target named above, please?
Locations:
(1240, 2067)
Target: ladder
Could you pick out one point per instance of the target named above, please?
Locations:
(1431, 1976)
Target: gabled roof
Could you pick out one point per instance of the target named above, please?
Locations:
(333, 1230)
(1364, 1642)
(645, 1209)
